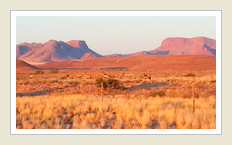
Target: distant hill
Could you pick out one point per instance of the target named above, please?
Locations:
(145, 62)
(179, 46)
(187, 46)
(23, 65)
(54, 51)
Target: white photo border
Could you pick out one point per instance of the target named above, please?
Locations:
(216, 13)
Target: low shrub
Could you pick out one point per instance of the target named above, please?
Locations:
(109, 83)
(54, 71)
(190, 75)
(155, 93)
(213, 81)
(64, 77)
(54, 81)
(100, 81)
(73, 82)
(39, 72)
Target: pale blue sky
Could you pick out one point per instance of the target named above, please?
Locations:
(108, 35)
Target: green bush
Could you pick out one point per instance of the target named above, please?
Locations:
(109, 83)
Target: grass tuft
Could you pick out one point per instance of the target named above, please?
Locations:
(109, 83)
(155, 93)
(63, 78)
(54, 71)
(39, 72)
(190, 75)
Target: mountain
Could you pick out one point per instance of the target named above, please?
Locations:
(116, 55)
(179, 46)
(141, 53)
(187, 46)
(89, 55)
(78, 50)
(23, 65)
(53, 51)
(26, 47)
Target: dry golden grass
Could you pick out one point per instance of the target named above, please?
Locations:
(80, 103)
(85, 111)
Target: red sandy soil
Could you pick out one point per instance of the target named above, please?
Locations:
(147, 62)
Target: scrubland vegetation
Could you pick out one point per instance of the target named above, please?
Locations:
(81, 102)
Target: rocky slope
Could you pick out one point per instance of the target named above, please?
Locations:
(23, 48)
(78, 50)
(53, 51)
(179, 46)
(187, 46)
(23, 65)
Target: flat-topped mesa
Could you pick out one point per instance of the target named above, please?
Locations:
(77, 43)
(179, 46)
(175, 41)
(74, 43)
(188, 46)
(77, 49)
(51, 41)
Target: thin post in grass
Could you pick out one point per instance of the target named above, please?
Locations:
(102, 95)
(193, 99)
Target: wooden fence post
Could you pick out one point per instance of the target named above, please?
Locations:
(102, 95)
(193, 99)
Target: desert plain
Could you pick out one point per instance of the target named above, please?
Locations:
(132, 92)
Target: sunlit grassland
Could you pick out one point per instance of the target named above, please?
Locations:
(87, 112)
(78, 107)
